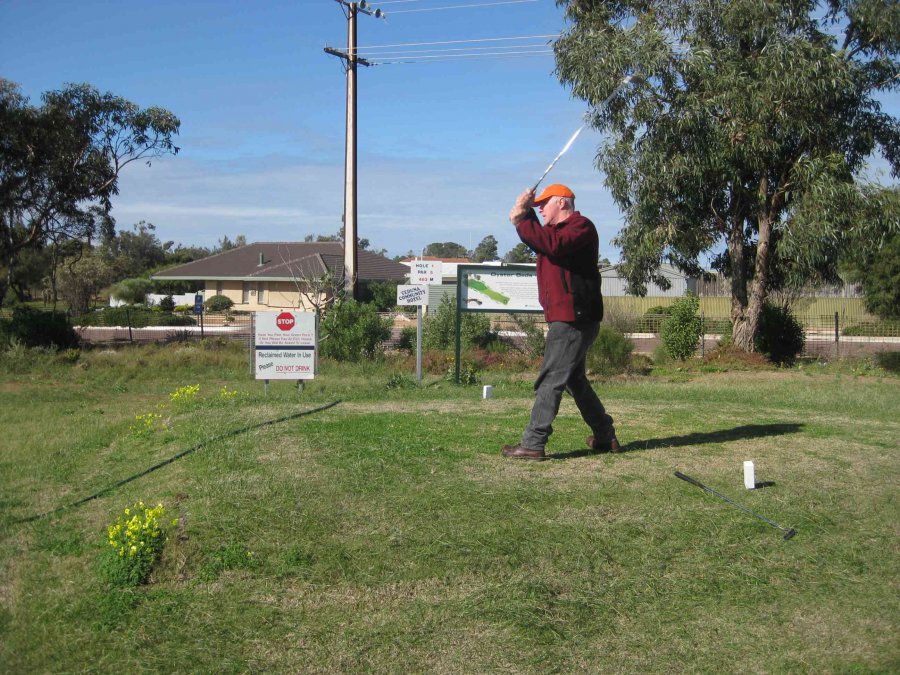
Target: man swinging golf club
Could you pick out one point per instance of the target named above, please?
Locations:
(568, 279)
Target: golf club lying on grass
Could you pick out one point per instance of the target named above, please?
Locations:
(625, 82)
(788, 533)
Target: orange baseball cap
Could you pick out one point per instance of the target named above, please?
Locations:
(555, 190)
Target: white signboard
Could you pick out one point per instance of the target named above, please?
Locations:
(425, 271)
(412, 295)
(499, 289)
(286, 345)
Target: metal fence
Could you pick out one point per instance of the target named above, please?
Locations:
(148, 326)
(828, 335)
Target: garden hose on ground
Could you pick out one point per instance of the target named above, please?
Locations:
(165, 462)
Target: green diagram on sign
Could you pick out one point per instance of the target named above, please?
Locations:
(478, 285)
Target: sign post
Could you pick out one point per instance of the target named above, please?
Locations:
(422, 273)
(198, 310)
(285, 346)
(415, 295)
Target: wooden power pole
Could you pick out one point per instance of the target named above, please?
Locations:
(351, 60)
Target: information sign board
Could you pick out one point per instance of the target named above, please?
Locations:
(498, 289)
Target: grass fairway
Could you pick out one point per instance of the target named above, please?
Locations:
(386, 533)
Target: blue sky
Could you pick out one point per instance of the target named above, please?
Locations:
(444, 148)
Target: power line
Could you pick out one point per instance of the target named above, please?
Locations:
(484, 4)
(487, 56)
(471, 50)
(456, 42)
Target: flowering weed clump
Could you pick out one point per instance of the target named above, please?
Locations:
(184, 395)
(227, 394)
(143, 424)
(136, 540)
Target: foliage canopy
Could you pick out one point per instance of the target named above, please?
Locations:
(60, 162)
(748, 128)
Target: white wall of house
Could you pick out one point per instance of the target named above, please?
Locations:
(260, 296)
(154, 298)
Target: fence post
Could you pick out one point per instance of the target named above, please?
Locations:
(837, 333)
(251, 342)
(702, 335)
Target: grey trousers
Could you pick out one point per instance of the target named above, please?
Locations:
(563, 370)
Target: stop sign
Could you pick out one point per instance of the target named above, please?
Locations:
(285, 321)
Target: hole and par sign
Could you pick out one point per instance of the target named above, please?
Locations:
(285, 345)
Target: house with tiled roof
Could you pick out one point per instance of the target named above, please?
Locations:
(266, 276)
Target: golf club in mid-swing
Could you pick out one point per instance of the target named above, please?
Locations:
(624, 83)
(788, 533)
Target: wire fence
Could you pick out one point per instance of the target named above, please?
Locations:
(826, 336)
(834, 335)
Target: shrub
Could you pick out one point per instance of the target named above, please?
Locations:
(611, 352)
(136, 540)
(439, 329)
(535, 340)
(620, 318)
(680, 332)
(401, 381)
(218, 303)
(167, 304)
(35, 328)
(779, 336)
(353, 332)
(382, 294)
(407, 341)
(132, 291)
(890, 361)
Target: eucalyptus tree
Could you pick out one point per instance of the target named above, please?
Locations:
(520, 253)
(486, 249)
(747, 134)
(60, 161)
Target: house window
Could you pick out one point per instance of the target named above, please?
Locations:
(218, 288)
(261, 292)
(245, 295)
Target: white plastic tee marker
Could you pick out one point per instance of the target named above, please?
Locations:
(749, 478)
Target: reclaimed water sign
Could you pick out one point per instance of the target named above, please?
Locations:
(286, 345)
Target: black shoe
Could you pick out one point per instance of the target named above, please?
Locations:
(607, 444)
(519, 452)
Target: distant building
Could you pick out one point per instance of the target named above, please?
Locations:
(267, 276)
(614, 284)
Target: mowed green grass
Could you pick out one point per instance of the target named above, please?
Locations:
(387, 534)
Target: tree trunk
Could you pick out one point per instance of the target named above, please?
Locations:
(741, 330)
(747, 308)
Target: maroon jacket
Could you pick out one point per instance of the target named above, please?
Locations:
(567, 273)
